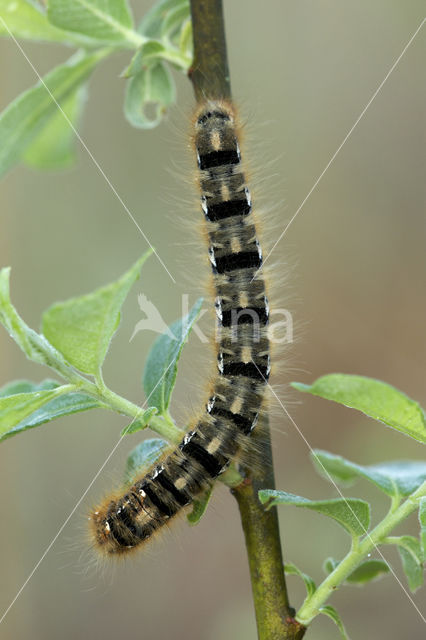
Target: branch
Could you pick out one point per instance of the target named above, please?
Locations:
(209, 75)
(352, 560)
(274, 616)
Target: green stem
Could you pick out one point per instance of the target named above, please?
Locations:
(98, 389)
(170, 432)
(310, 608)
(274, 615)
(64, 389)
(163, 425)
(134, 38)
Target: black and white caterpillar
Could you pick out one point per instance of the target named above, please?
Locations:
(222, 430)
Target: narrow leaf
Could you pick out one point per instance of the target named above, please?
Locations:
(376, 399)
(199, 507)
(54, 147)
(186, 46)
(9, 317)
(396, 478)
(351, 513)
(26, 19)
(28, 114)
(368, 571)
(149, 94)
(64, 404)
(16, 409)
(150, 53)
(172, 24)
(82, 328)
(151, 50)
(109, 21)
(161, 365)
(331, 612)
(411, 554)
(310, 585)
(152, 23)
(26, 386)
(329, 565)
(144, 456)
(141, 422)
(412, 569)
(27, 339)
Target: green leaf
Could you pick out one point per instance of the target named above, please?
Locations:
(161, 365)
(310, 585)
(174, 20)
(148, 54)
(351, 513)
(144, 456)
(27, 339)
(148, 95)
(368, 571)
(54, 147)
(17, 408)
(412, 569)
(199, 507)
(141, 422)
(28, 114)
(82, 328)
(108, 21)
(14, 325)
(331, 612)
(329, 565)
(396, 478)
(64, 404)
(376, 399)
(422, 520)
(26, 386)
(151, 50)
(412, 559)
(152, 24)
(26, 19)
(186, 46)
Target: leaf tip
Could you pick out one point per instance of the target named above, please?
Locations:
(301, 386)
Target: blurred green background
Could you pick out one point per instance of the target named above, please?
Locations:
(351, 269)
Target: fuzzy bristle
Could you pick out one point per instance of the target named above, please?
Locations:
(222, 430)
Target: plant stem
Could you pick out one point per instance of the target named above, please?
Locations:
(210, 78)
(167, 430)
(209, 73)
(311, 606)
(164, 427)
(42, 351)
(274, 616)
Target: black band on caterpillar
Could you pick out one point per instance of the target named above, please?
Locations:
(242, 310)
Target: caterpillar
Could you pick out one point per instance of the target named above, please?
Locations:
(243, 353)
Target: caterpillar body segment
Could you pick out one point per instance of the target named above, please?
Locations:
(122, 523)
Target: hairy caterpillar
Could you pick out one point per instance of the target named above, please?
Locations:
(243, 354)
